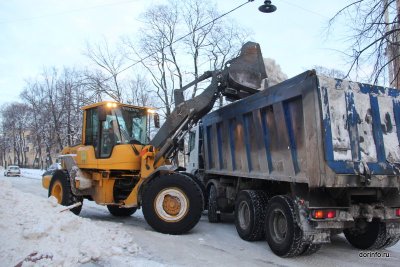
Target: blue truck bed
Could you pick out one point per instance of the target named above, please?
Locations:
(309, 129)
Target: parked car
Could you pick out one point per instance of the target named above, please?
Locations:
(53, 167)
(12, 171)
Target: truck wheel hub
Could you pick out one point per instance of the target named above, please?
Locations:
(279, 225)
(171, 205)
(244, 215)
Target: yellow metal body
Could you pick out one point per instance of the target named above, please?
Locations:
(124, 158)
(57, 191)
(46, 181)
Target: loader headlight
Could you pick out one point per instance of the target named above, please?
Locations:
(111, 105)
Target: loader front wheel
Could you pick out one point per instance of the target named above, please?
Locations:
(61, 190)
(121, 212)
(172, 203)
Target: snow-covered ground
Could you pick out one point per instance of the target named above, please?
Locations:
(35, 232)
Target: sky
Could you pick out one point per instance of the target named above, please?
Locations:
(45, 33)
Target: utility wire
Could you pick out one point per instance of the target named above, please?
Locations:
(305, 9)
(178, 40)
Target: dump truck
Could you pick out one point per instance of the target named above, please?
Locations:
(116, 164)
(302, 160)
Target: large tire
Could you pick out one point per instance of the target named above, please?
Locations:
(172, 203)
(310, 249)
(370, 235)
(213, 215)
(200, 184)
(60, 188)
(284, 236)
(250, 210)
(121, 212)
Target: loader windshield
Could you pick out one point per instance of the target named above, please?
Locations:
(131, 124)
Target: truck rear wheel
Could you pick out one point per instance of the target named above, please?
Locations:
(283, 235)
(213, 215)
(61, 190)
(310, 249)
(250, 210)
(370, 235)
(121, 212)
(172, 203)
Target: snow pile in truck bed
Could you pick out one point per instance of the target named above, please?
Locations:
(35, 233)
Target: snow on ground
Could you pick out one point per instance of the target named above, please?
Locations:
(30, 224)
(32, 173)
(39, 233)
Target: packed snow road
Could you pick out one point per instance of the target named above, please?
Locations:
(133, 241)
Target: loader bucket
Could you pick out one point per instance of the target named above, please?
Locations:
(246, 72)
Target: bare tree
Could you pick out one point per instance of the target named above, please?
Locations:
(139, 92)
(54, 101)
(15, 126)
(178, 39)
(105, 80)
(195, 14)
(375, 38)
(157, 41)
(34, 97)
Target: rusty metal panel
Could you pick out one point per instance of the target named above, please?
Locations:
(360, 128)
(310, 129)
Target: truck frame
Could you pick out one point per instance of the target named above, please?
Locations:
(302, 160)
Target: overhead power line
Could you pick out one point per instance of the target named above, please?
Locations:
(305, 9)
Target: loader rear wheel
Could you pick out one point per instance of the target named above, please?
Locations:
(283, 235)
(61, 190)
(213, 215)
(121, 212)
(250, 214)
(172, 203)
(370, 235)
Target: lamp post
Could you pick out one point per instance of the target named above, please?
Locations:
(267, 7)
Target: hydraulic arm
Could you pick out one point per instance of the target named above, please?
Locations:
(241, 77)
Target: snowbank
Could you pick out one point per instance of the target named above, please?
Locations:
(34, 232)
(32, 173)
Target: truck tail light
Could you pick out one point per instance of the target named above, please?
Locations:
(323, 214)
(330, 214)
(398, 212)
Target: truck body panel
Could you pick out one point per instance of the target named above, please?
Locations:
(310, 129)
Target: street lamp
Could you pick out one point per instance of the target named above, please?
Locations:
(267, 7)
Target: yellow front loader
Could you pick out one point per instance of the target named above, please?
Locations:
(117, 166)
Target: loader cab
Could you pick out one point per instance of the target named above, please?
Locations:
(109, 124)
